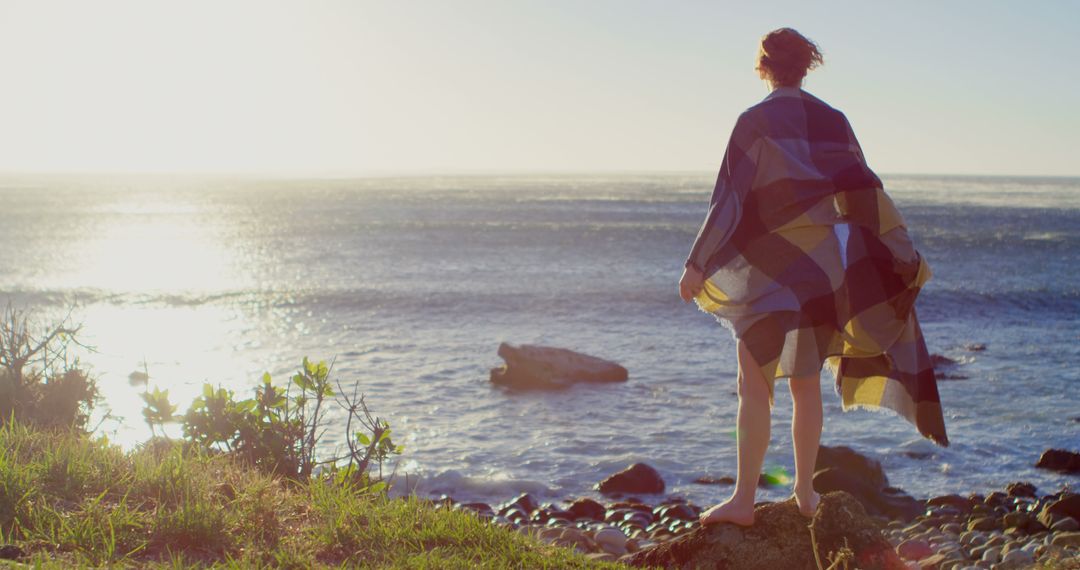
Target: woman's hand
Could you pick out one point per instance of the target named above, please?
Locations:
(691, 283)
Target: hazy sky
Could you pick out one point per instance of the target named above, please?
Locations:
(966, 87)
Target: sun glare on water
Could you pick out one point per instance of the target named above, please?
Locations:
(156, 247)
(160, 268)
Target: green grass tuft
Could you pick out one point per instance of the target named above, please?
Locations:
(72, 501)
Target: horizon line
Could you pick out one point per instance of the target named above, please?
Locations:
(431, 173)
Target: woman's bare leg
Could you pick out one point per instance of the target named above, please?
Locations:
(753, 434)
(806, 437)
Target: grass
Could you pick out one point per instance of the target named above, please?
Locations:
(73, 501)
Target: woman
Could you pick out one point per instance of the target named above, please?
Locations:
(769, 265)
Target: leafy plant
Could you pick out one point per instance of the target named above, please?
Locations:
(279, 429)
(159, 410)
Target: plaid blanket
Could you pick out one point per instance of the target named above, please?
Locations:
(782, 280)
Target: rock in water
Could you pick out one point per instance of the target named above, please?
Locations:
(638, 478)
(544, 367)
(852, 462)
(844, 469)
(1060, 460)
(780, 538)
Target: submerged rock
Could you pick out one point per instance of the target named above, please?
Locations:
(941, 360)
(708, 480)
(780, 538)
(544, 367)
(944, 362)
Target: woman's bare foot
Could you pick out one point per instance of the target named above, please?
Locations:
(728, 511)
(807, 502)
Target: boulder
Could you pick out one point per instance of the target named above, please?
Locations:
(878, 502)
(611, 540)
(961, 504)
(638, 478)
(678, 511)
(548, 368)
(983, 524)
(1060, 460)
(586, 508)
(844, 469)
(780, 538)
(1066, 539)
(1021, 489)
(1065, 524)
(1068, 505)
(853, 463)
(525, 501)
(479, 508)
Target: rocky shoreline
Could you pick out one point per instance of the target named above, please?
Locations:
(1016, 527)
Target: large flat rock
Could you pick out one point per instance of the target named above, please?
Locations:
(549, 368)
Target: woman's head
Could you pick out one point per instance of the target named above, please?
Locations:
(785, 56)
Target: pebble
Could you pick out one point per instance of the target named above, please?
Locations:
(982, 523)
(550, 534)
(972, 537)
(575, 534)
(933, 561)
(1017, 519)
(1064, 539)
(978, 551)
(998, 531)
(1065, 524)
(1017, 558)
(611, 540)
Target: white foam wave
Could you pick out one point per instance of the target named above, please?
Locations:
(467, 488)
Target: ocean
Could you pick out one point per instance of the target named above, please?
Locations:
(409, 284)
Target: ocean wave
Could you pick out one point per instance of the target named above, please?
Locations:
(584, 300)
(467, 488)
(997, 304)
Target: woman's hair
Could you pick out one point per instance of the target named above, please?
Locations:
(785, 56)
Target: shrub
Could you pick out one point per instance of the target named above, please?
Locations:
(40, 383)
(278, 431)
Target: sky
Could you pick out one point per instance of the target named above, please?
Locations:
(435, 86)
